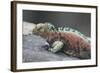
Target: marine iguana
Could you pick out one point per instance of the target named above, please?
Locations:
(67, 40)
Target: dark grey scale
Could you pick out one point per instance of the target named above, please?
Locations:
(53, 28)
(73, 30)
(64, 29)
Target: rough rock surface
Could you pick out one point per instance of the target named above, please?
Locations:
(34, 52)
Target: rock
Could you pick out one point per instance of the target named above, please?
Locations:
(34, 52)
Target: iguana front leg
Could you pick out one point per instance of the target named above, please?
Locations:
(56, 46)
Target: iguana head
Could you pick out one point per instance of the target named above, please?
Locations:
(43, 28)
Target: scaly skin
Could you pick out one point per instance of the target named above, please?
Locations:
(70, 43)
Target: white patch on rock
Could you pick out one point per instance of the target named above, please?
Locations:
(28, 27)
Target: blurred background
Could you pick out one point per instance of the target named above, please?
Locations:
(78, 21)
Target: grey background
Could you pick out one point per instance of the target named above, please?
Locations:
(78, 21)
